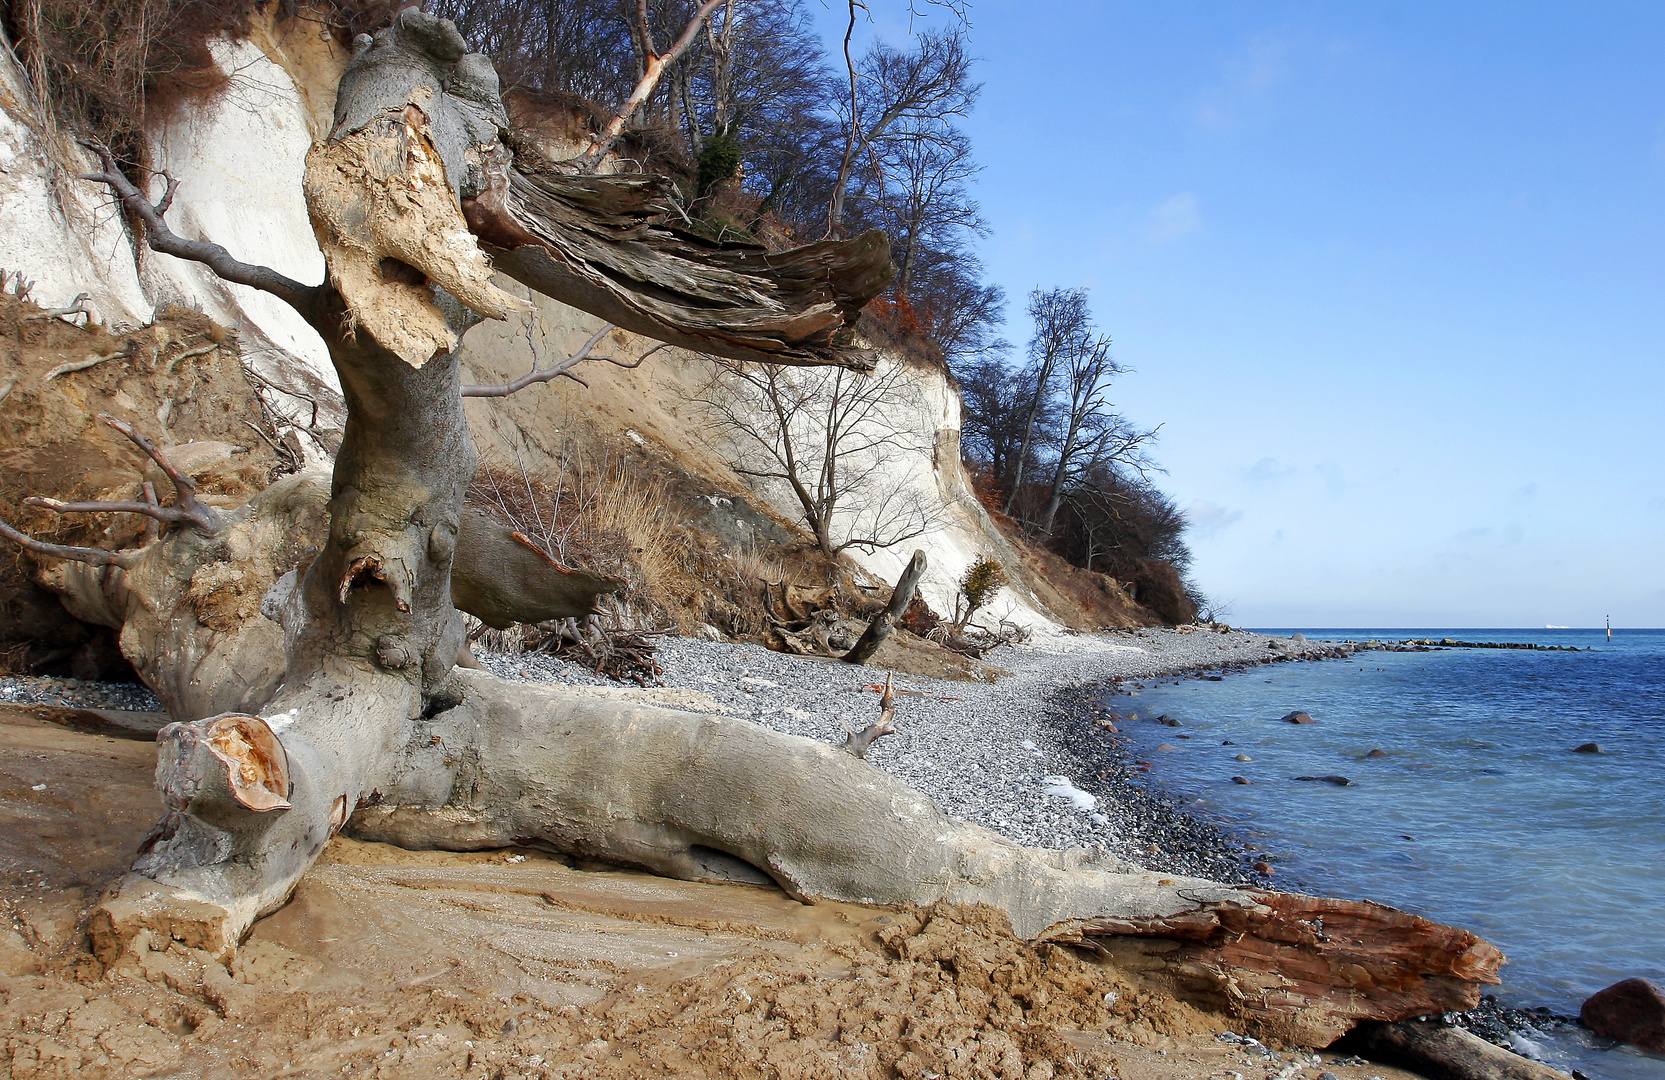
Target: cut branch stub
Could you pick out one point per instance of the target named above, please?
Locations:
(210, 768)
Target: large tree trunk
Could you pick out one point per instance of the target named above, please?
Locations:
(354, 710)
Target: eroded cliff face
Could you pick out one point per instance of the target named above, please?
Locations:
(238, 158)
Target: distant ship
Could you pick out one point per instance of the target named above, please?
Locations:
(1552, 626)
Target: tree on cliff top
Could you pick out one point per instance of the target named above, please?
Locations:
(334, 702)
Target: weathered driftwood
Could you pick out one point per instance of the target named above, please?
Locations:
(859, 742)
(317, 675)
(1443, 1052)
(500, 577)
(885, 621)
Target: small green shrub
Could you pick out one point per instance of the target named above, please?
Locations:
(981, 580)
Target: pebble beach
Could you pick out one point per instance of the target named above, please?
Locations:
(1033, 756)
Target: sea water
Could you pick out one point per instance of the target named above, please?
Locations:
(1480, 815)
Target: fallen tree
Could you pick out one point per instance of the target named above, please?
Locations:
(308, 641)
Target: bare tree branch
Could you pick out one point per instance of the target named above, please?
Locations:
(654, 66)
(858, 742)
(188, 510)
(163, 239)
(93, 556)
(561, 370)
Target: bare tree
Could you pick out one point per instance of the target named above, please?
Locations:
(836, 439)
(653, 65)
(890, 88)
(1062, 328)
(1091, 436)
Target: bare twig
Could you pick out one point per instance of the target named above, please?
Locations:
(163, 239)
(562, 370)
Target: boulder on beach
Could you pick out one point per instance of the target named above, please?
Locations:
(1589, 748)
(1298, 717)
(1631, 1011)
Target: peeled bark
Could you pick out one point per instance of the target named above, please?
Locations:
(604, 244)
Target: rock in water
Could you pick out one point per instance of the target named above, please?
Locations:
(1240, 780)
(1338, 781)
(1377, 754)
(1631, 1011)
(1589, 748)
(1298, 717)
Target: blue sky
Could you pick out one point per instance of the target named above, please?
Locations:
(1392, 277)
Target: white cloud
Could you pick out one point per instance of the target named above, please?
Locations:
(1175, 218)
(1268, 470)
(1209, 519)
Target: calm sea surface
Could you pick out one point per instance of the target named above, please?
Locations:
(1480, 816)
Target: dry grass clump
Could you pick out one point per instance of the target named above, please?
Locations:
(104, 69)
(594, 511)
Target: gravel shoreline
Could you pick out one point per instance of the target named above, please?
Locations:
(1029, 756)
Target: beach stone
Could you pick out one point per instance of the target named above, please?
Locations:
(1298, 717)
(1631, 1011)
(1265, 868)
(1589, 748)
(1377, 754)
(1297, 637)
(1167, 721)
(1244, 757)
(1241, 780)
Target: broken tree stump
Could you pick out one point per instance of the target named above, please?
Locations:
(885, 621)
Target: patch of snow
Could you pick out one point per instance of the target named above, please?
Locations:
(1061, 787)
